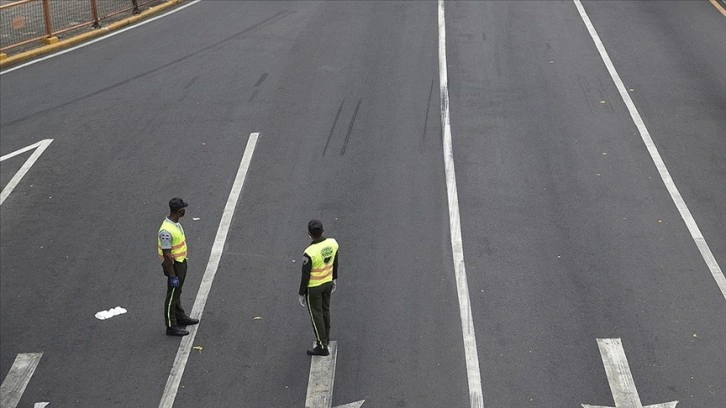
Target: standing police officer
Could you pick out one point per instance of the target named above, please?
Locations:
(319, 276)
(172, 248)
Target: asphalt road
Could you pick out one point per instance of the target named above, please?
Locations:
(569, 233)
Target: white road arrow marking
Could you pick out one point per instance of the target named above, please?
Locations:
(620, 378)
(320, 382)
(41, 404)
(18, 378)
(39, 149)
(356, 404)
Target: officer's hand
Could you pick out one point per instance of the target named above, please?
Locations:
(335, 283)
(301, 300)
(174, 281)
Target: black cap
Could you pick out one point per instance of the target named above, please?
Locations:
(177, 203)
(315, 228)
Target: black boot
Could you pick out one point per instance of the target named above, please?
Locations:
(186, 321)
(176, 331)
(318, 351)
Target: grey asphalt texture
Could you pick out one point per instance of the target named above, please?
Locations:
(569, 233)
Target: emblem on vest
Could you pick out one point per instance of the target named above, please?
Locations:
(327, 253)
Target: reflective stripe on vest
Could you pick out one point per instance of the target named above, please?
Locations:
(178, 241)
(322, 256)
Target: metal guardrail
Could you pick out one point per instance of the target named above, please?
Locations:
(25, 21)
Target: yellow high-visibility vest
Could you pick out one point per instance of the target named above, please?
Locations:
(322, 255)
(178, 241)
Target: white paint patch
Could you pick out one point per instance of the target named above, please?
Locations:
(620, 378)
(39, 149)
(457, 247)
(100, 38)
(322, 380)
(655, 156)
(182, 354)
(41, 404)
(107, 314)
(356, 404)
(18, 378)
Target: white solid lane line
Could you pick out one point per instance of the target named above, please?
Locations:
(457, 248)
(18, 378)
(180, 362)
(39, 149)
(655, 156)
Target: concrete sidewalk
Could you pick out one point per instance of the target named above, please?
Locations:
(76, 36)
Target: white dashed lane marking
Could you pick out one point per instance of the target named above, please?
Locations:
(182, 355)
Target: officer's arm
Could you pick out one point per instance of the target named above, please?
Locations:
(305, 278)
(335, 266)
(168, 263)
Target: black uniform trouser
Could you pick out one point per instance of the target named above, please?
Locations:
(318, 301)
(172, 305)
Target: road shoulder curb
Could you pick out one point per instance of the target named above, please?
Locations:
(59, 45)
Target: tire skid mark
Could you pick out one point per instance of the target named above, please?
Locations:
(350, 127)
(332, 128)
(254, 95)
(269, 20)
(426, 119)
(256, 91)
(191, 82)
(261, 80)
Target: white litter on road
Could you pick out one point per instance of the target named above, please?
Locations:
(107, 314)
